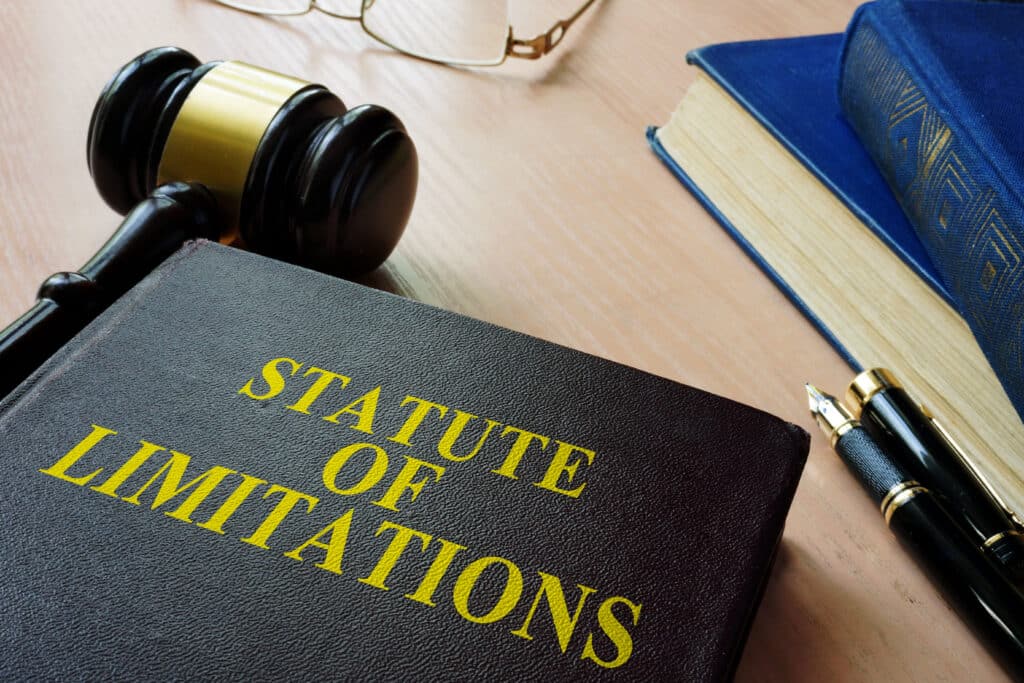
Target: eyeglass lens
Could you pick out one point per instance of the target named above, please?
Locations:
(463, 31)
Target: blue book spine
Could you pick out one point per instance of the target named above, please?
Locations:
(921, 83)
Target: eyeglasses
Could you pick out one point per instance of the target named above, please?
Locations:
(462, 32)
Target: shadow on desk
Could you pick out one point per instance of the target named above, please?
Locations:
(780, 646)
(380, 279)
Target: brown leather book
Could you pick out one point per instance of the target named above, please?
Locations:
(244, 468)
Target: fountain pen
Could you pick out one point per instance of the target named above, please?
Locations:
(911, 436)
(970, 581)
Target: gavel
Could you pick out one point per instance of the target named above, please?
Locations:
(231, 152)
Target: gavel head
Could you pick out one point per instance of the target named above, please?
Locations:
(296, 175)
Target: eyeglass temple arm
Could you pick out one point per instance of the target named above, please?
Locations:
(535, 48)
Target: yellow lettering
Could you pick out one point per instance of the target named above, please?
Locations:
(216, 522)
(273, 378)
(289, 499)
(60, 468)
(369, 480)
(509, 595)
(515, 454)
(366, 412)
(560, 465)
(454, 431)
(121, 475)
(337, 532)
(615, 631)
(318, 387)
(412, 423)
(172, 473)
(395, 549)
(551, 588)
(432, 579)
(404, 481)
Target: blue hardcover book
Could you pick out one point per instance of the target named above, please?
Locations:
(935, 91)
(790, 86)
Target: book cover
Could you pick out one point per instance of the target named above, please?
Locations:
(789, 86)
(935, 91)
(792, 184)
(245, 468)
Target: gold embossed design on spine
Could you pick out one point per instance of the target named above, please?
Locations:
(214, 138)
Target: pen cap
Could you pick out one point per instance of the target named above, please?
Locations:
(913, 438)
(973, 585)
(868, 383)
(1008, 549)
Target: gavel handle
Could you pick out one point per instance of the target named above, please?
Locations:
(152, 231)
(37, 335)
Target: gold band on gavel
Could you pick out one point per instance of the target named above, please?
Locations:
(214, 138)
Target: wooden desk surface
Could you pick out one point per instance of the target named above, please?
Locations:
(541, 209)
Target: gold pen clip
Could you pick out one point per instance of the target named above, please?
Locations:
(985, 483)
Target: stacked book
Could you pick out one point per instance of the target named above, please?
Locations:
(877, 177)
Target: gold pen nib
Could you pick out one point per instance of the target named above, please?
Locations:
(814, 397)
(832, 416)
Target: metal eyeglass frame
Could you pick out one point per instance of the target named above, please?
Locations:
(519, 48)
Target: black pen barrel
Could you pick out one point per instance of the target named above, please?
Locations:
(969, 580)
(980, 592)
(902, 429)
(909, 435)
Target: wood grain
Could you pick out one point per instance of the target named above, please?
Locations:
(540, 209)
